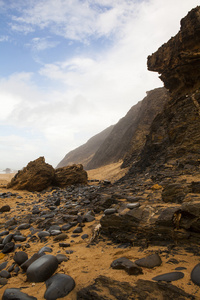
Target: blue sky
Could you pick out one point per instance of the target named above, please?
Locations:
(71, 68)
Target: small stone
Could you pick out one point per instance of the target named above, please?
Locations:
(133, 205)
(3, 265)
(23, 226)
(5, 274)
(64, 245)
(124, 263)
(78, 230)
(60, 237)
(42, 234)
(61, 258)
(19, 238)
(5, 208)
(20, 257)
(3, 281)
(173, 276)
(8, 238)
(110, 211)
(8, 247)
(150, 261)
(84, 236)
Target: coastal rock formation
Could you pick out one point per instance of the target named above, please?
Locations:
(129, 134)
(178, 61)
(70, 175)
(174, 138)
(36, 176)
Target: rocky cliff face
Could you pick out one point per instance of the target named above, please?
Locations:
(174, 137)
(129, 134)
(83, 154)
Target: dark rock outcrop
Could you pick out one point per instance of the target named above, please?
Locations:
(106, 288)
(174, 138)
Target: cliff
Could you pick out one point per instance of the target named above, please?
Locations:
(84, 153)
(174, 138)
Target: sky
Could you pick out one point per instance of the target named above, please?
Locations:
(71, 68)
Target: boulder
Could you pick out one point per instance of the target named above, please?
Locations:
(69, 175)
(36, 176)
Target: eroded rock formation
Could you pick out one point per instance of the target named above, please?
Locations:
(38, 175)
(174, 137)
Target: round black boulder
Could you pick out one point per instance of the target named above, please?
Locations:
(58, 286)
(42, 269)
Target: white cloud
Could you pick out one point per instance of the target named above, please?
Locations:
(85, 93)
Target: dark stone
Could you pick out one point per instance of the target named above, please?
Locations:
(61, 258)
(8, 247)
(195, 275)
(19, 238)
(5, 232)
(84, 236)
(5, 208)
(60, 237)
(16, 294)
(29, 261)
(78, 230)
(42, 234)
(173, 276)
(133, 205)
(64, 245)
(150, 261)
(3, 265)
(45, 249)
(124, 263)
(42, 269)
(55, 232)
(88, 217)
(59, 286)
(20, 257)
(23, 226)
(66, 227)
(110, 211)
(5, 274)
(8, 238)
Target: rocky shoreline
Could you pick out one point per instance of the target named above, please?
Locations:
(85, 229)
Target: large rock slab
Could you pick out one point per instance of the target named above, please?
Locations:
(106, 288)
(69, 175)
(36, 176)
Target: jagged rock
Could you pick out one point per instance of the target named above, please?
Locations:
(106, 288)
(36, 176)
(70, 175)
(174, 193)
(124, 263)
(178, 60)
